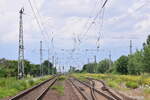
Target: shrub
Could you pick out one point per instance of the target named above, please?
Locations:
(112, 84)
(61, 78)
(31, 82)
(132, 85)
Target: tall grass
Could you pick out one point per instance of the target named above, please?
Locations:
(141, 80)
(11, 86)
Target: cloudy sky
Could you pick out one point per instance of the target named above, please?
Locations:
(67, 22)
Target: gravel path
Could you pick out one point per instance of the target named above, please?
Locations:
(69, 93)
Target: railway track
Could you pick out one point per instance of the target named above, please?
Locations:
(89, 92)
(100, 85)
(37, 92)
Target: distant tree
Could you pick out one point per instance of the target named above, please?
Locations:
(146, 55)
(84, 69)
(9, 68)
(48, 67)
(27, 67)
(135, 64)
(91, 68)
(122, 65)
(103, 66)
(72, 69)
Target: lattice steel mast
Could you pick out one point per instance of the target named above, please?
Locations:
(21, 47)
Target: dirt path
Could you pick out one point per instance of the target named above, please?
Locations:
(69, 93)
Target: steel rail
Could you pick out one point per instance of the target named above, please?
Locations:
(46, 90)
(92, 91)
(107, 89)
(26, 92)
(98, 91)
(79, 90)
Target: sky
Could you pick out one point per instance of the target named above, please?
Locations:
(66, 23)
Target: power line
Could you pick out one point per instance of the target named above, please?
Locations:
(100, 29)
(93, 21)
(89, 18)
(104, 4)
(37, 19)
(40, 19)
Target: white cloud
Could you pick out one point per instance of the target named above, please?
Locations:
(67, 17)
(143, 26)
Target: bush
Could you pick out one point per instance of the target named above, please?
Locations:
(132, 85)
(112, 84)
(31, 82)
(61, 78)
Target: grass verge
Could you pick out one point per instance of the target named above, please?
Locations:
(59, 89)
(11, 86)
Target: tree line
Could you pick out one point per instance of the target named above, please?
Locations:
(136, 64)
(9, 68)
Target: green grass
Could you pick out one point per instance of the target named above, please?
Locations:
(11, 86)
(140, 80)
(59, 88)
(62, 78)
(123, 83)
(147, 90)
(132, 85)
(112, 84)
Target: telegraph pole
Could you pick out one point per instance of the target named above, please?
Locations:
(53, 64)
(41, 59)
(56, 63)
(88, 60)
(59, 68)
(95, 69)
(95, 59)
(130, 47)
(63, 69)
(21, 47)
(48, 61)
(109, 58)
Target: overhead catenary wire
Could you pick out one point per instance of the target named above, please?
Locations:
(88, 19)
(100, 35)
(93, 21)
(38, 22)
(40, 19)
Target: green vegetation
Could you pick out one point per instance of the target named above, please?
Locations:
(8, 68)
(112, 84)
(125, 83)
(132, 85)
(62, 78)
(117, 80)
(11, 86)
(137, 63)
(59, 88)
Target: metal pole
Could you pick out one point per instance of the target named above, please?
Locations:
(130, 47)
(21, 47)
(41, 59)
(95, 59)
(48, 61)
(88, 60)
(109, 58)
(95, 69)
(53, 64)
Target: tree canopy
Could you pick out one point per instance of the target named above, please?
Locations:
(136, 63)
